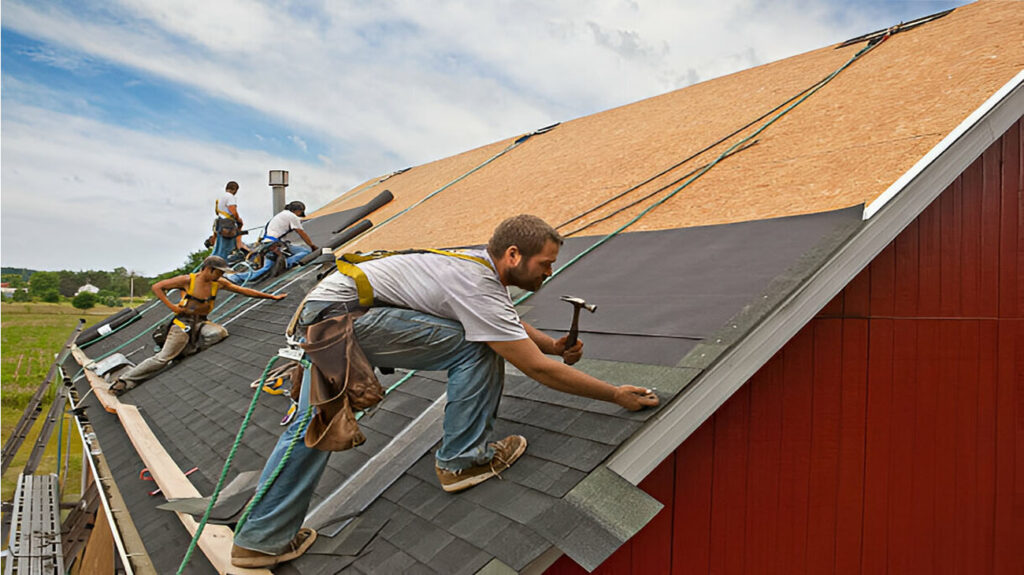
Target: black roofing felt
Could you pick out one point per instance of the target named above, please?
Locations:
(660, 296)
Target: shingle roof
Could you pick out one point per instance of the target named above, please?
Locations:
(690, 282)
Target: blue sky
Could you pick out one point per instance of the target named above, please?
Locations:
(122, 120)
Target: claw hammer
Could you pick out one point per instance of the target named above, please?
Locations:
(574, 331)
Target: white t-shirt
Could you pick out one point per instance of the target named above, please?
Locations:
(226, 199)
(449, 287)
(284, 222)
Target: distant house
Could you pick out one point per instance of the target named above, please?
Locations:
(6, 290)
(89, 288)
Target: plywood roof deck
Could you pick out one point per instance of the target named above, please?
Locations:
(843, 146)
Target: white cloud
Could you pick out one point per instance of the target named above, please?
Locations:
(124, 198)
(381, 85)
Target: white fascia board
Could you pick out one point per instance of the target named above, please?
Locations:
(917, 189)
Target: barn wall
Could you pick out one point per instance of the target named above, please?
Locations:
(888, 434)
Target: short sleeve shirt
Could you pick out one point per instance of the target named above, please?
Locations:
(454, 288)
(226, 199)
(284, 222)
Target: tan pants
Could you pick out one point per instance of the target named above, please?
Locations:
(209, 334)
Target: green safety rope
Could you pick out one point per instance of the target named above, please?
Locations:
(227, 463)
(712, 164)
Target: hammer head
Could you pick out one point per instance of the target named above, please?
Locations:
(580, 303)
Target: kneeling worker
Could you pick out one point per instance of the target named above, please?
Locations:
(190, 331)
(285, 222)
(432, 311)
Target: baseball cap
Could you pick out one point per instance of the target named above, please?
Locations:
(217, 263)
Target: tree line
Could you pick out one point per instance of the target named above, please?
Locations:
(55, 286)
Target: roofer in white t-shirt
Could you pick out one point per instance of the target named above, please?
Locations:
(275, 236)
(433, 311)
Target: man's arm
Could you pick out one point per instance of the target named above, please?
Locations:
(527, 357)
(225, 284)
(233, 210)
(160, 289)
(305, 237)
(552, 346)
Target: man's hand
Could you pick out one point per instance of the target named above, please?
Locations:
(179, 309)
(635, 398)
(279, 296)
(571, 355)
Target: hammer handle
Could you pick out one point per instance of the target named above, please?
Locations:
(574, 331)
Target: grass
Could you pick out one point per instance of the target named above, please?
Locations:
(32, 334)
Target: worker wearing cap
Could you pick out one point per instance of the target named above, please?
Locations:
(287, 221)
(278, 228)
(189, 331)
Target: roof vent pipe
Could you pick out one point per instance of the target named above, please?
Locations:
(278, 182)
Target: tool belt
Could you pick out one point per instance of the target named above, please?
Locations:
(225, 227)
(341, 382)
(190, 324)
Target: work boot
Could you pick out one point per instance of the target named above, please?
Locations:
(506, 452)
(303, 540)
(119, 387)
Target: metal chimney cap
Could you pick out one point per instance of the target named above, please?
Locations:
(279, 178)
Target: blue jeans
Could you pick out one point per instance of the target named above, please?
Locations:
(390, 337)
(298, 252)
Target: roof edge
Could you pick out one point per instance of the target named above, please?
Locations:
(994, 104)
(636, 458)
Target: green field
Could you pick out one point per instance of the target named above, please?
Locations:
(32, 335)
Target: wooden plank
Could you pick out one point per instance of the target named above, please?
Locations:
(985, 458)
(857, 295)
(795, 453)
(825, 429)
(216, 540)
(906, 275)
(690, 533)
(877, 444)
(763, 465)
(967, 520)
(950, 223)
(883, 281)
(99, 386)
(728, 492)
(850, 489)
(926, 421)
(930, 260)
(99, 551)
(902, 446)
(988, 297)
(945, 448)
(970, 239)
(1010, 292)
(1009, 486)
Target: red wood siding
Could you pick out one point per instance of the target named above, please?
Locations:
(888, 435)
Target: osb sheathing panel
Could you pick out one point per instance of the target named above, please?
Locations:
(841, 147)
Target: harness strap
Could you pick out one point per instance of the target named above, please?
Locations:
(347, 266)
(191, 287)
(220, 212)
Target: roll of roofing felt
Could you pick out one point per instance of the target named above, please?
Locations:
(338, 239)
(366, 209)
(123, 317)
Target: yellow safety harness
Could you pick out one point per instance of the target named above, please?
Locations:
(220, 212)
(347, 266)
(190, 296)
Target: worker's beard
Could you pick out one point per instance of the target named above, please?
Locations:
(520, 277)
